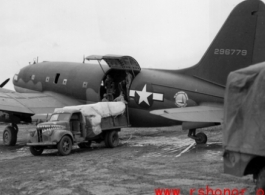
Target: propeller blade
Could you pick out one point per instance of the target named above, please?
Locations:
(4, 83)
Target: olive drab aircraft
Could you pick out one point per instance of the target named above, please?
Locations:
(192, 97)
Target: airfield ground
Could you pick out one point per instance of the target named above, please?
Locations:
(147, 159)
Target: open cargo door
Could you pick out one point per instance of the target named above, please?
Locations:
(118, 62)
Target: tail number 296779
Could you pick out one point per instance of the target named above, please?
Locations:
(230, 52)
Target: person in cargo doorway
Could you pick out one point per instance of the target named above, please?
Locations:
(122, 87)
(109, 87)
(128, 81)
(120, 98)
(105, 98)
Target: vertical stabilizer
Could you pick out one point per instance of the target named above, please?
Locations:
(239, 43)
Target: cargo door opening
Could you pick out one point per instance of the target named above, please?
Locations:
(116, 81)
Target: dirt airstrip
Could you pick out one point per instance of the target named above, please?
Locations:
(146, 160)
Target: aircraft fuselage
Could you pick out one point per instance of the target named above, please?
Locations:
(151, 89)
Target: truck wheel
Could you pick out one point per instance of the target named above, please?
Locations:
(112, 139)
(260, 184)
(201, 138)
(65, 146)
(84, 144)
(10, 136)
(35, 150)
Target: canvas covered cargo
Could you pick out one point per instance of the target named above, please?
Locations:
(104, 109)
(244, 117)
(96, 112)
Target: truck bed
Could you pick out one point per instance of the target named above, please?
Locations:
(114, 122)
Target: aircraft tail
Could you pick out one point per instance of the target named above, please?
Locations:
(239, 43)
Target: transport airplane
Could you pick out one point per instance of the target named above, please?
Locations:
(192, 97)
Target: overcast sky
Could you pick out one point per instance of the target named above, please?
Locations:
(168, 34)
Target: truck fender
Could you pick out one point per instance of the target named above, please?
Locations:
(58, 134)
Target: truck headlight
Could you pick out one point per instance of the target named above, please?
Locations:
(49, 132)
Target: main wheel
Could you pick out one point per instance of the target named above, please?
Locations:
(65, 146)
(201, 138)
(112, 139)
(260, 184)
(36, 150)
(84, 144)
(10, 136)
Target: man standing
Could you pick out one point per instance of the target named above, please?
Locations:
(105, 98)
(109, 87)
(128, 80)
(120, 98)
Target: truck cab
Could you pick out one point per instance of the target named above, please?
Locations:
(76, 125)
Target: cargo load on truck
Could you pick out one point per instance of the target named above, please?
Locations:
(95, 112)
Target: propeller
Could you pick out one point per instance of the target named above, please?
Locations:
(84, 59)
(4, 83)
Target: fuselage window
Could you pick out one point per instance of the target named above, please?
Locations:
(47, 79)
(56, 78)
(84, 84)
(32, 77)
(64, 81)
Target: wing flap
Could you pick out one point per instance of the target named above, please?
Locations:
(202, 113)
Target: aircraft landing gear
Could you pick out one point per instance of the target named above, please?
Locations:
(200, 138)
(10, 135)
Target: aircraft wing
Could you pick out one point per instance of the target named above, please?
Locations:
(202, 113)
(32, 103)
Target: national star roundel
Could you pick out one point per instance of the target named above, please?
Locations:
(144, 96)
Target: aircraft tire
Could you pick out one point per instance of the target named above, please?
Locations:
(112, 139)
(84, 144)
(260, 184)
(10, 136)
(65, 146)
(35, 150)
(201, 138)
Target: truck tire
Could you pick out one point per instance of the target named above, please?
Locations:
(84, 144)
(65, 146)
(112, 139)
(201, 138)
(35, 150)
(10, 136)
(261, 181)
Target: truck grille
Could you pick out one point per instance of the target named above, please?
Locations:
(39, 133)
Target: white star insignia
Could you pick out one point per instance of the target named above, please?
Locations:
(144, 95)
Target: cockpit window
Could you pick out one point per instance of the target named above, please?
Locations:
(15, 77)
(60, 117)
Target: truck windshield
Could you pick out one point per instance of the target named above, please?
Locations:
(60, 117)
